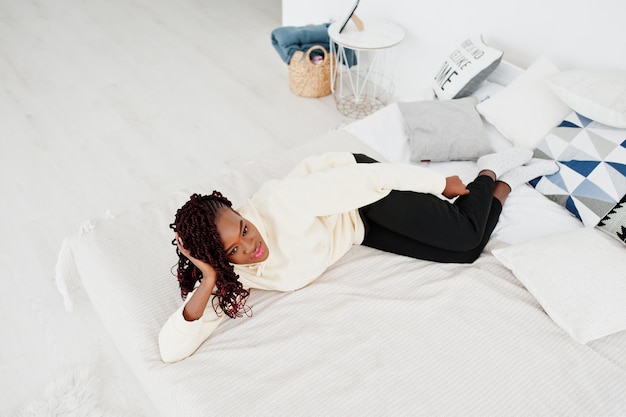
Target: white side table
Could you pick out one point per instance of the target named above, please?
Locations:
(361, 74)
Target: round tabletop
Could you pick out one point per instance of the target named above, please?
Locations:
(377, 33)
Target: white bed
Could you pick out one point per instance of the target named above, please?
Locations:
(377, 334)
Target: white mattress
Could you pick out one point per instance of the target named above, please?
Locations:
(376, 335)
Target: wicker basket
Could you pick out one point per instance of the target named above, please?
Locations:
(307, 79)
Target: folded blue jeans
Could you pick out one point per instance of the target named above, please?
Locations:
(289, 39)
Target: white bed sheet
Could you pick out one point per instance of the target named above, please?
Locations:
(376, 335)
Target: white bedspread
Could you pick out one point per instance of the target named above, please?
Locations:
(376, 335)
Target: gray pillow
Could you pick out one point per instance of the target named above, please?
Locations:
(448, 130)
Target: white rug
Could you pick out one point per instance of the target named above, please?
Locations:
(74, 394)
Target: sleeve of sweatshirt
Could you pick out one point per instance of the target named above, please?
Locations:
(180, 338)
(322, 162)
(349, 186)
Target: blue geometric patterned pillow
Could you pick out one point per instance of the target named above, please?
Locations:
(592, 161)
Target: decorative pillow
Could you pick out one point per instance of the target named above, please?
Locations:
(597, 95)
(384, 132)
(486, 90)
(592, 162)
(444, 130)
(465, 68)
(614, 223)
(526, 109)
(577, 277)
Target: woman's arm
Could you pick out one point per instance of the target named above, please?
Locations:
(322, 162)
(194, 321)
(179, 338)
(345, 188)
(195, 307)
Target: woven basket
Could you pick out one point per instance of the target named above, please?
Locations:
(307, 79)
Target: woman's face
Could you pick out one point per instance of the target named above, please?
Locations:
(241, 239)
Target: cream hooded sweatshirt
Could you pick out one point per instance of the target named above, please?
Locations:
(308, 220)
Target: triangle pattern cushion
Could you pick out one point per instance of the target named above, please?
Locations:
(592, 161)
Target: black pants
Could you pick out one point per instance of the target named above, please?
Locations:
(424, 226)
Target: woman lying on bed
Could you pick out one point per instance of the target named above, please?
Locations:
(293, 229)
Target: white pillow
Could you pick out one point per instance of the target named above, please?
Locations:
(597, 95)
(486, 90)
(527, 109)
(384, 132)
(577, 277)
(465, 69)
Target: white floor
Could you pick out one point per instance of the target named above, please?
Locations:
(104, 105)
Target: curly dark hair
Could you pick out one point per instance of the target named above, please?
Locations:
(195, 225)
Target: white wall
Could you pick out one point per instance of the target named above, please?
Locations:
(572, 33)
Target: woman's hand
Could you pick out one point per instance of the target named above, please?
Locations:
(454, 187)
(194, 309)
(203, 266)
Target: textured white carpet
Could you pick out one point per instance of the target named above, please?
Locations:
(77, 393)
